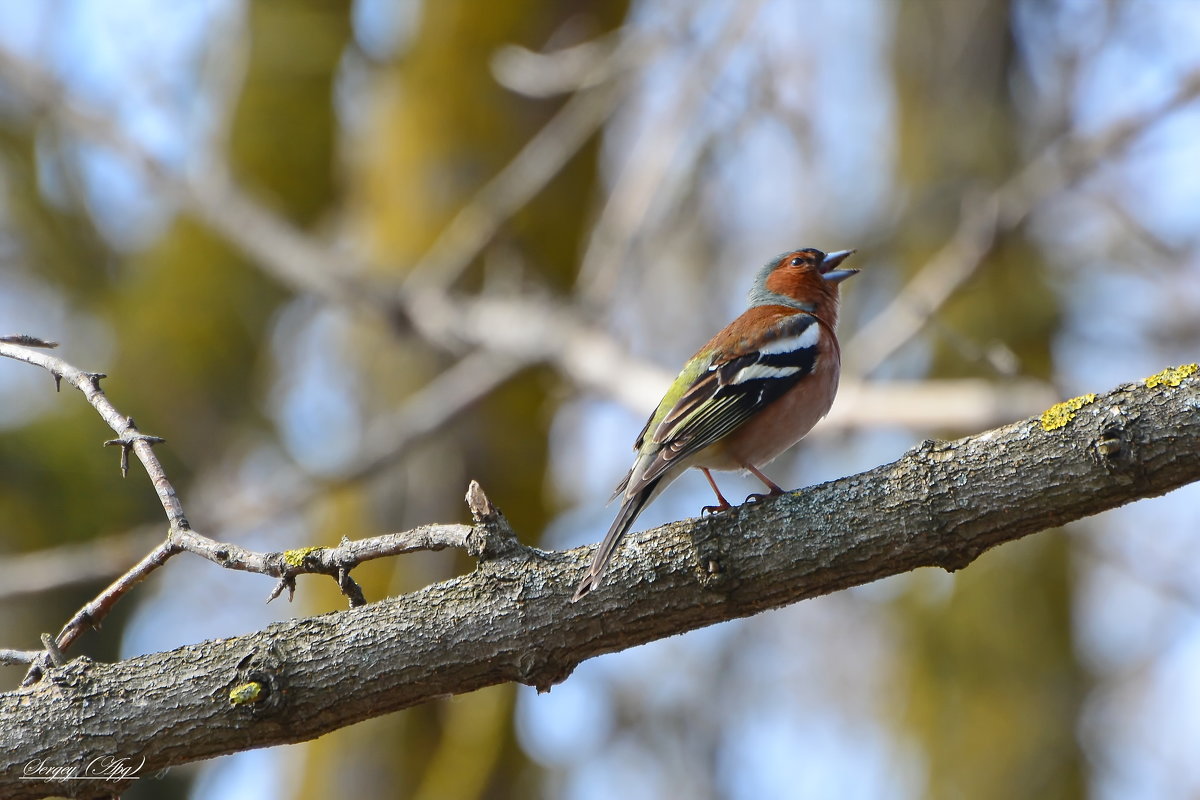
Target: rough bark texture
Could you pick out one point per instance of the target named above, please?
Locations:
(942, 504)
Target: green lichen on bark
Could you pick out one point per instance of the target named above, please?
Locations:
(295, 558)
(1057, 416)
(1172, 376)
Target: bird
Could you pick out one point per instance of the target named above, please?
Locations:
(752, 392)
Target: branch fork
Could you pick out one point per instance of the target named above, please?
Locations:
(491, 536)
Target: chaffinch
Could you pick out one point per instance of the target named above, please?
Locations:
(752, 392)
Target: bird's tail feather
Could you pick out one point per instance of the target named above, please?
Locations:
(621, 525)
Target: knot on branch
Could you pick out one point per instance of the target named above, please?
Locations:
(258, 684)
(712, 572)
(1111, 447)
(1115, 444)
(541, 672)
(72, 675)
(492, 536)
(932, 451)
(953, 559)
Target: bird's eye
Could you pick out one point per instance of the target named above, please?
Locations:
(797, 261)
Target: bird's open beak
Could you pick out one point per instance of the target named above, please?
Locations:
(831, 261)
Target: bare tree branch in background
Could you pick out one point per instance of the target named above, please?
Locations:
(522, 330)
(597, 95)
(1057, 168)
(653, 176)
(54, 568)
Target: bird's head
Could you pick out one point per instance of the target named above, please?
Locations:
(806, 279)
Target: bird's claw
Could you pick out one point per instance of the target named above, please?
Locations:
(715, 509)
(758, 498)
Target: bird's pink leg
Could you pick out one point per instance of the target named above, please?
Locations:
(775, 488)
(724, 504)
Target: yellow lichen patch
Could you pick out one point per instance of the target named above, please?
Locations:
(1172, 376)
(246, 693)
(1058, 416)
(295, 558)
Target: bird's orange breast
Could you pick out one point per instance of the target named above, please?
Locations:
(781, 424)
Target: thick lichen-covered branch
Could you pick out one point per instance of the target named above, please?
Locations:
(941, 504)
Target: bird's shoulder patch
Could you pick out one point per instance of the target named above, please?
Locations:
(789, 348)
(742, 376)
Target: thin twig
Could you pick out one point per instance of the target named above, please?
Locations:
(542, 157)
(324, 560)
(97, 609)
(25, 340)
(9, 657)
(388, 440)
(652, 175)
(334, 561)
(53, 653)
(428, 410)
(129, 436)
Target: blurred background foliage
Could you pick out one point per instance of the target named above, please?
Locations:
(1021, 177)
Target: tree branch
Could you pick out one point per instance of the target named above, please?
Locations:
(129, 437)
(333, 561)
(941, 504)
(459, 386)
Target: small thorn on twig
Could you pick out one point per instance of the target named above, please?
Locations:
(125, 446)
(56, 655)
(350, 588)
(57, 381)
(139, 436)
(37, 670)
(95, 379)
(286, 582)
